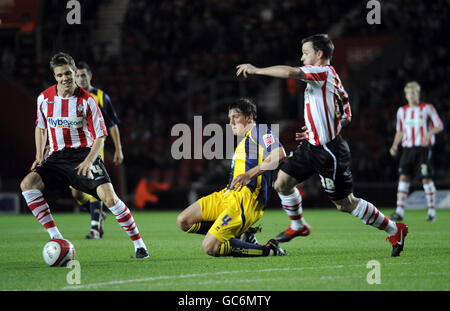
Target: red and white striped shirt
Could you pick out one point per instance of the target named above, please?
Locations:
(326, 103)
(72, 122)
(415, 122)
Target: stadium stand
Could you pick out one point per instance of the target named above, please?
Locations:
(177, 60)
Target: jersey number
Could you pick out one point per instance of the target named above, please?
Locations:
(327, 183)
(225, 220)
(96, 169)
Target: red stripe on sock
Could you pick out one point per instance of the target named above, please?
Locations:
(368, 219)
(43, 214)
(384, 223)
(49, 224)
(124, 218)
(375, 218)
(33, 206)
(135, 237)
(367, 208)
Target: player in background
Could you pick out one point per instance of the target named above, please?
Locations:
(71, 120)
(226, 215)
(323, 151)
(83, 78)
(417, 124)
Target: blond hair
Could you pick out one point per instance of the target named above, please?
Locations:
(412, 85)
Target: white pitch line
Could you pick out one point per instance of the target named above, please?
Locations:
(184, 276)
(309, 278)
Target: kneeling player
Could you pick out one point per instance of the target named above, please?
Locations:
(226, 215)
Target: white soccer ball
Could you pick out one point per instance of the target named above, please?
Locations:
(58, 252)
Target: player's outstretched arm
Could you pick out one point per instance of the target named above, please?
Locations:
(279, 71)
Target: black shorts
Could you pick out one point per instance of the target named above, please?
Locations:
(331, 161)
(58, 171)
(416, 160)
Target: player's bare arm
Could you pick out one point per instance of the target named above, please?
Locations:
(270, 163)
(427, 136)
(40, 137)
(394, 148)
(115, 135)
(84, 167)
(279, 71)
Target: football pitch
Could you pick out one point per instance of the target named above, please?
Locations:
(340, 254)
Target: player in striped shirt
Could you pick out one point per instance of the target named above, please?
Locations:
(71, 119)
(83, 79)
(226, 216)
(417, 125)
(322, 150)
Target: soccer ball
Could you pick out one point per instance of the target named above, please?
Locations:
(58, 252)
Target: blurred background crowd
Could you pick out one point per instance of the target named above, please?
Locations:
(164, 62)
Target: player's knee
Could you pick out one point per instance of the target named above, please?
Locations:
(31, 181)
(183, 223)
(110, 200)
(107, 195)
(211, 247)
(25, 184)
(347, 204)
(282, 187)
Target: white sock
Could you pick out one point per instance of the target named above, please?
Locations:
(139, 243)
(292, 205)
(370, 215)
(430, 195)
(40, 209)
(126, 221)
(402, 195)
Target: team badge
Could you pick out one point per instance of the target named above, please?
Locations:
(80, 108)
(268, 139)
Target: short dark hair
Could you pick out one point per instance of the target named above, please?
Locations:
(245, 105)
(84, 65)
(62, 59)
(321, 42)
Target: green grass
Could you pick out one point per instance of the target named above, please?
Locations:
(333, 257)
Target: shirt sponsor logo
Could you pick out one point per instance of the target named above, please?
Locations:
(65, 122)
(414, 122)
